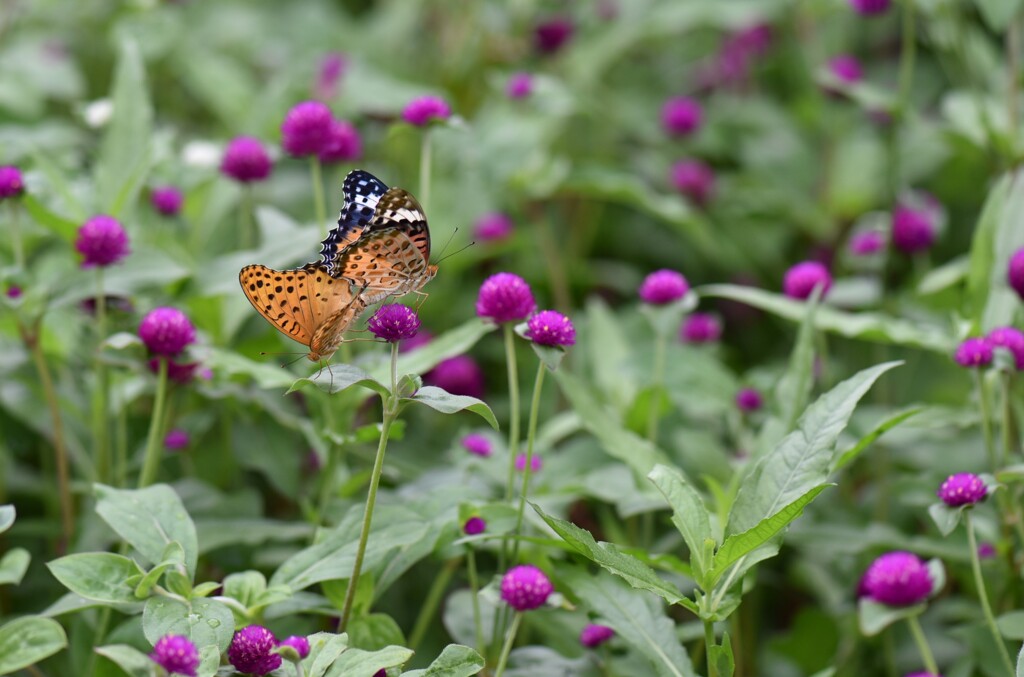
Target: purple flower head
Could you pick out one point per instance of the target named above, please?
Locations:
(381, 673)
(663, 286)
(394, 322)
(179, 372)
(870, 7)
(695, 180)
(867, 243)
(300, 644)
(493, 226)
(251, 650)
(749, 399)
(801, 279)
(474, 525)
(101, 241)
(898, 579)
(13, 291)
(681, 116)
(11, 182)
(332, 67)
(1015, 273)
(176, 440)
(422, 338)
(986, 550)
(913, 230)
(176, 654)
(459, 375)
(505, 297)
(535, 463)
(519, 86)
(306, 129)
(846, 68)
(525, 587)
(166, 331)
(551, 328)
(753, 40)
(551, 35)
(962, 489)
(477, 444)
(166, 199)
(595, 635)
(700, 328)
(1011, 339)
(343, 143)
(974, 352)
(422, 110)
(246, 160)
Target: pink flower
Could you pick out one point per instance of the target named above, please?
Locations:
(306, 128)
(421, 111)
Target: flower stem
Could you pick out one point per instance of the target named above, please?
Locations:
(156, 424)
(513, 402)
(1007, 422)
(908, 50)
(922, 645)
(986, 419)
(659, 369)
(507, 647)
(390, 414)
(1012, 90)
(429, 606)
(709, 641)
(247, 219)
(99, 401)
(531, 434)
(318, 191)
(16, 245)
(986, 608)
(474, 587)
(426, 150)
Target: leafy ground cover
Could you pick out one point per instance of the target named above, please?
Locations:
(717, 374)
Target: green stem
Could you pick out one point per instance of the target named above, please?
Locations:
(152, 459)
(1012, 90)
(390, 414)
(318, 190)
(709, 641)
(660, 346)
(429, 606)
(247, 218)
(531, 434)
(986, 608)
(121, 469)
(1007, 411)
(922, 645)
(426, 150)
(474, 587)
(506, 649)
(986, 419)
(99, 402)
(513, 402)
(327, 481)
(16, 245)
(908, 50)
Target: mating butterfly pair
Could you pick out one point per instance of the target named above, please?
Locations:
(380, 248)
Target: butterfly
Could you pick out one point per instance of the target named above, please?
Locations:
(306, 304)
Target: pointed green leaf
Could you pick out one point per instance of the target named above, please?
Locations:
(129, 659)
(794, 387)
(99, 576)
(206, 622)
(359, 663)
(13, 566)
(324, 649)
(338, 377)
(62, 227)
(7, 515)
(946, 518)
(689, 513)
(446, 403)
(720, 655)
(873, 617)
(449, 344)
(1008, 237)
(455, 661)
(27, 640)
(853, 452)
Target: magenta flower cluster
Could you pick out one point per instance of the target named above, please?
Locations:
(525, 587)
(801, 279)
(300, 644)
(474, 525)
(870, 7)
(553, 34)
(974, 352)
(897, 579)
(394, 322)
(477, 444)
(246, 160)
(700, 328)
(252, 651)
(166, 331)
(423, 110)
(962, 489)
(695, 180)
(913, 230)
(176, 440)
(101, 241)
(12, 184)
(519, 86)
(681, 116)
(492, 227)
(846, 68)
(505, 297)
(306, 128)
(459, 375)
(1010, 339)
(594, 635)
(749, 400)
(536, 463)
(1015, 273)
(176, 654)
(663, 286)
(166, 199)
(551, 328)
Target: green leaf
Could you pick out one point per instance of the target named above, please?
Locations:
(873, 617)
(374, 631)
(455, 661)
(982, 253)
(945, 517)
(689, 513)
(230, 364)
(174, 556)
(446, 403)
(62, 227)
(1011, 625)
(335, 378)
(245, 587)
(7, 515)
(951, 273)
(149, 520)
(853, 452)
(609, 354)
(627, 567)
(359, 663)
(449, 344)
(27, 640)
(324, 649)
(636, 618)
(13, 566)
(998, 13)
(1008, 237)
(1020, 663)
(99, 576)
(801, 460)
(794, 387)
(206, 622)
(865, 326)
(129, 659)
(720, 655)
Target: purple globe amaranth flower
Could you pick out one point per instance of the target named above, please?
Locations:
(898, 579)
(846, 68)
(179, 372)
(505, 297)
(477, 444)
(551, 35)
(519, 86)
(870, 7)
(176, 654)
(251, 651)
(801, 279)
(749, 399)
(101, 241)
(551, 328)
(332, 67)
(525, 587)
(974, 352)
(381, 673)
(913, 230)
(1012, 340)
(700, 328)
(681, 116)
(13, 292)
(1015, 272)
(493, 226)
(459, 375)
(306, 129)
(246, 160)
(986, 550)
(474, 525)
(166, 199)
(12, 184)
(166, 331)
(343, 143)
(176, 440)
(595, 635)
(962, 489)
(694, 179)
(536, 463)
(300, 644)
(394, 322)
(663, 286)
(867, 243)
(424, 109)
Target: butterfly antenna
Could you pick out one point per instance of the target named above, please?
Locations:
(457, 251)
